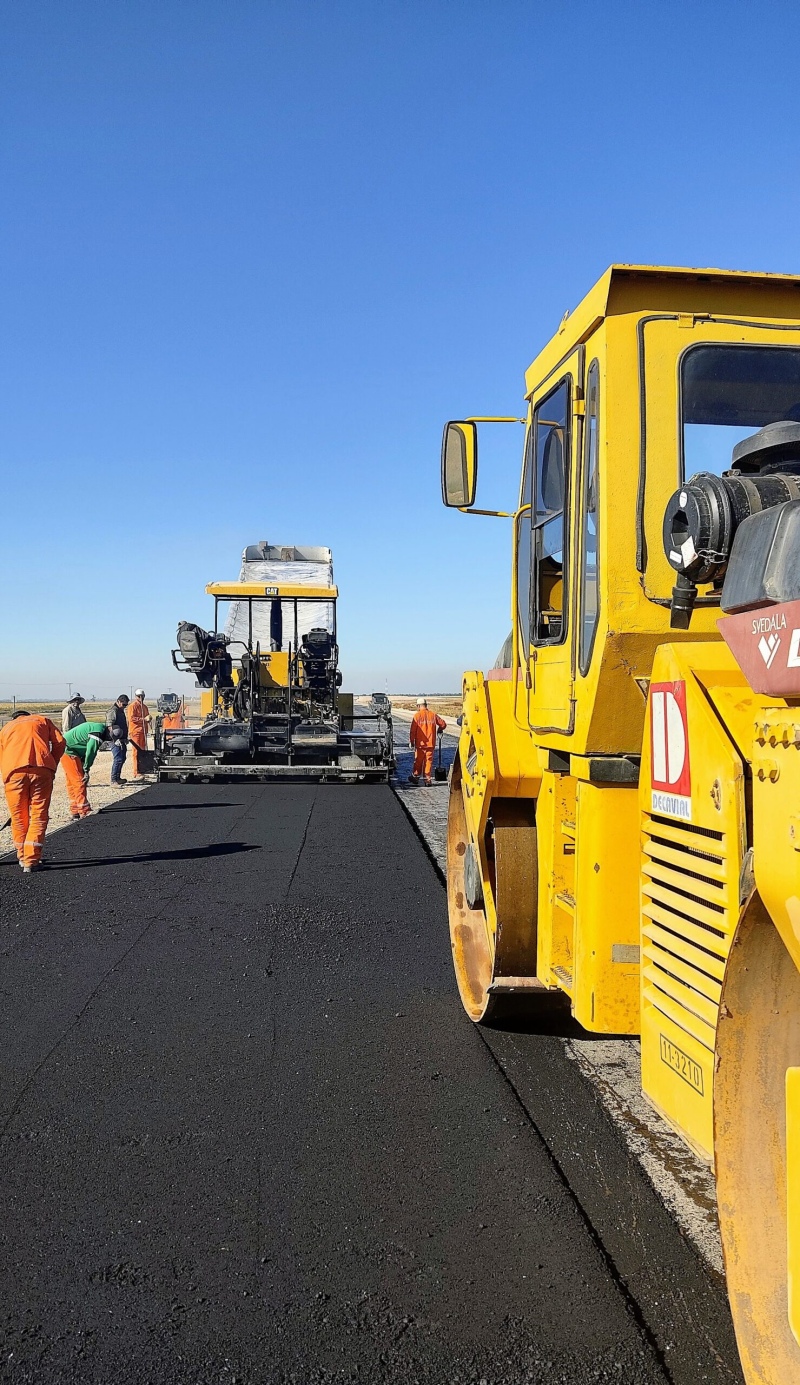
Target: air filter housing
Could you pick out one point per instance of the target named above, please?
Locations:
(701, 519)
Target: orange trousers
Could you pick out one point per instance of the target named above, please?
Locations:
(134, 749)
(423, 761)
(79, 805)
(28, 794)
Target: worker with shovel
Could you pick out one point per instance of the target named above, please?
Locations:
(30, 749)
(138, 727)
(422, 733)
(83, 743)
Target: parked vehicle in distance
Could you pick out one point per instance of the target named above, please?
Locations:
(380, 703)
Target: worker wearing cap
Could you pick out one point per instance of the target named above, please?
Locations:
(72, 714)
(422, 738)
(138, 726)
(30, 749)
(83, 743)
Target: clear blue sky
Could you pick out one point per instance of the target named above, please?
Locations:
(254, 254)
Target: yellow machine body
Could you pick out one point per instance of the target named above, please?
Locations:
(273, 664)
(273, 673)
(572, 863)
(692, 882)
(286, 591)
(271, 702)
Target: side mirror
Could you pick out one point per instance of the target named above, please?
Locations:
(459, 464)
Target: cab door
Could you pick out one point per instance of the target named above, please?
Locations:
(555, 437)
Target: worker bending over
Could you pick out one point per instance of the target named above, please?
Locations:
(30, 749)
(83, 743)
(138, 727)
(422, 738)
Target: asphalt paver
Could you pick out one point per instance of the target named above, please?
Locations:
(248, 1135)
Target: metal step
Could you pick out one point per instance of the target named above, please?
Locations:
(512, 985)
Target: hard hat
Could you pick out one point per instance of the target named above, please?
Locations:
(116, 733)
(422, 701)
(139, 692)
(77, 697)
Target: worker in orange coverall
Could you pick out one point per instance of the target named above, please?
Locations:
(174, 721)
(422, 737)
(138, 727)
(30, 749)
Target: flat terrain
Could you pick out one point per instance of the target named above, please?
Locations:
(446, 704)
(248, 1135)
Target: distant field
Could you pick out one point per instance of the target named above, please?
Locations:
(93, 711)
(446, 704)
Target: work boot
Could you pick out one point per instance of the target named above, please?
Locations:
(28, 870)
(413, 779)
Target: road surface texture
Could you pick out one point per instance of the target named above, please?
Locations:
(248, 1135)
(682, 1180)
(101, 794)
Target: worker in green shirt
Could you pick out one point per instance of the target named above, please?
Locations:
(83, 743)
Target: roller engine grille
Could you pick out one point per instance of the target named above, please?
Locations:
(688, 921)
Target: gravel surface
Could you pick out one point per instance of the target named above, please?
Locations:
(247, 1134)
(426, 806)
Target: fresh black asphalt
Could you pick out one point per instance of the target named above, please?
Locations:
(248, 1134)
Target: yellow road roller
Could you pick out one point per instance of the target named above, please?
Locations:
(624, 817)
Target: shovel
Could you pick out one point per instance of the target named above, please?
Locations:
(440, 772)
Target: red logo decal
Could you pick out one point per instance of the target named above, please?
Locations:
(669, 749)
(766, 645)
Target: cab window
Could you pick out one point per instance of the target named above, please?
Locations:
(589, 547)
(548, 581)
(729, 392)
